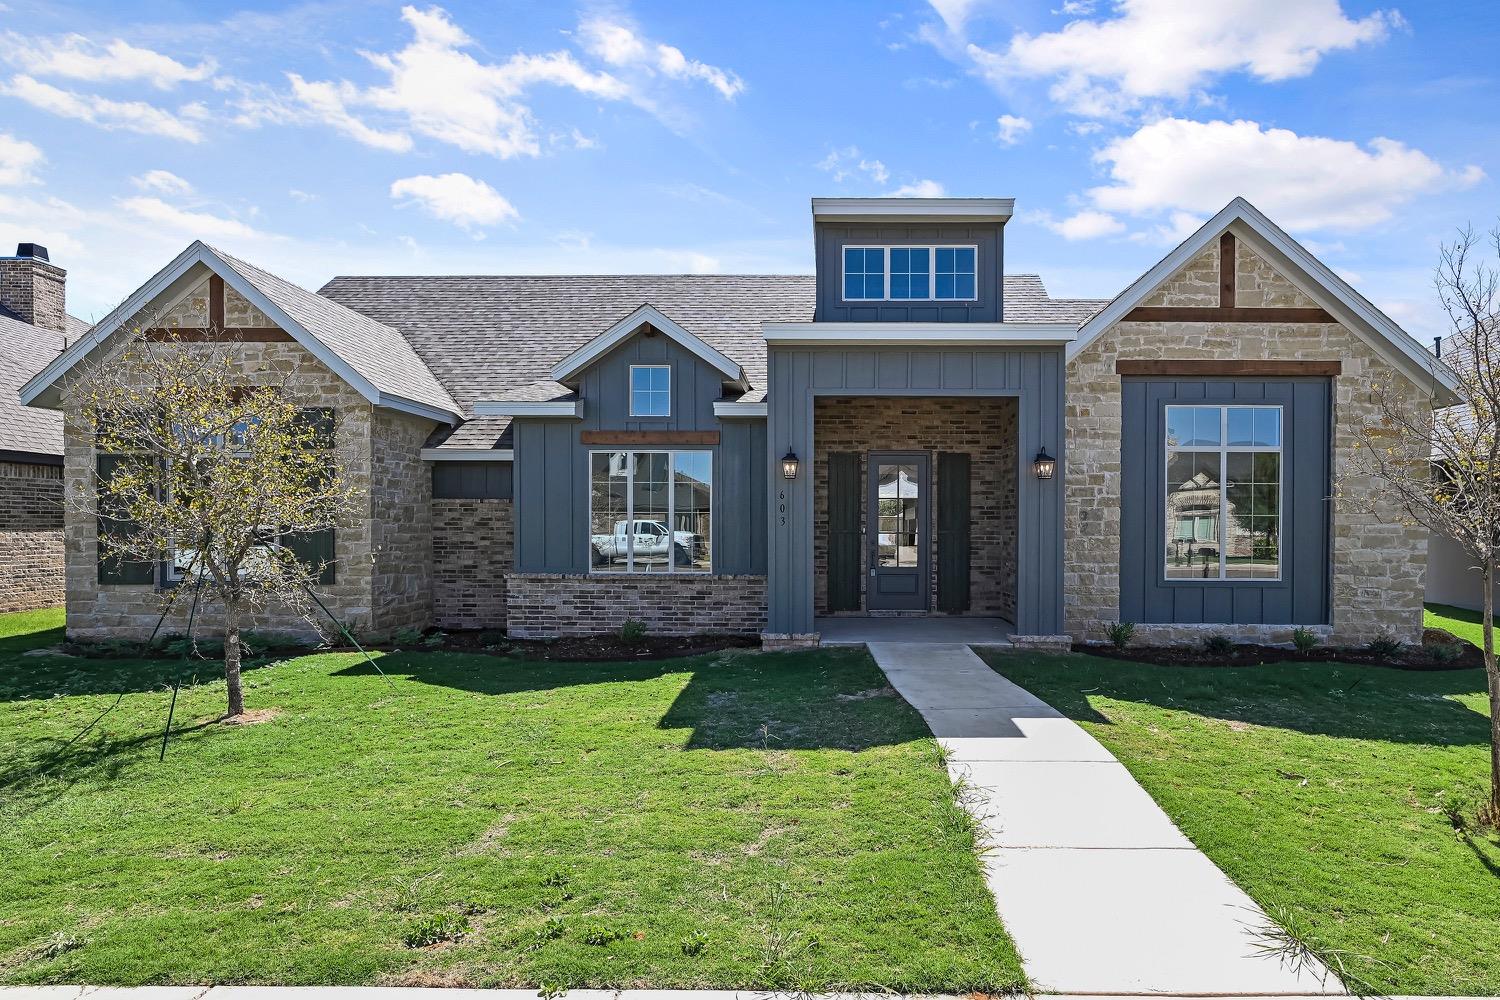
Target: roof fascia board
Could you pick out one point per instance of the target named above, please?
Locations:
(731, 409)
(1322, 285)
(921, 334)
(198, 253)
(468, 455)
(621, 331)
(913, 209)
(101, 331)
(551, 408)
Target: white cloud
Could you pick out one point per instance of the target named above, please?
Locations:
(80, 58)
(1171, 49)
(327, 103)
(1303, 182)
(162, 182)
(456, 198)
(303, 197)
(435, 87)
(1011, 129)
(196, 225)
(919, 189)
(18, 160)
(131, 116)
(848, 163)
(1087, 224)
(621, 45)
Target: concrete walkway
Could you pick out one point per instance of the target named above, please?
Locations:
(1100, 891)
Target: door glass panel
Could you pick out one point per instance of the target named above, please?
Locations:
(899, 495)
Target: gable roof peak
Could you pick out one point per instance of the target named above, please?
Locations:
(644, 314)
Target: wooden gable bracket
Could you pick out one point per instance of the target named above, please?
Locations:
(216, 330)
(1226, 311)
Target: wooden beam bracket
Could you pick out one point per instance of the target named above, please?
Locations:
(648, 437)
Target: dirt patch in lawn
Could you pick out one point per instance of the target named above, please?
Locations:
(254, 717)
(1440, 650)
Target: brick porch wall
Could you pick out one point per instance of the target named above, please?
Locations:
(472, 546)
(32, 572)
(984, 428)
(545, 605)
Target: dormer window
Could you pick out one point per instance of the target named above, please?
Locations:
(650, 390)
(911, 273)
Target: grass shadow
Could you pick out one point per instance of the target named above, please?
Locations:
(734, 699)
(1344, 701)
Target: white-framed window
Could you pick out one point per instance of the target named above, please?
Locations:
(651, 511)
(650, 390)
(911, 273)
(1223, 492)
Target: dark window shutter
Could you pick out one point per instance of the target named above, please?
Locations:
(844, 535)
(113, 569)
(313, 548)
(953, 531)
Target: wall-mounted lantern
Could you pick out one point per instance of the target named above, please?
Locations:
(1044, 465)
(789, 464)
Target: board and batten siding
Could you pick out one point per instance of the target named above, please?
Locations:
(1301, 596)
(986, 307)
(1033, 375)
(552, 464)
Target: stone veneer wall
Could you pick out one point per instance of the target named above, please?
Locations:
(545, 605)
(400, 523)
(31, 536)
(1379, 565)
(97, 611)
(985, 428)
(473, 544)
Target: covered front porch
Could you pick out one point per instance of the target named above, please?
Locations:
(882, 422)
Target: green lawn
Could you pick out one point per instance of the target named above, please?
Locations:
(732, 820)
(1322, 791)
(1460, 621)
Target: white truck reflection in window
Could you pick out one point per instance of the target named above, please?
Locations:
(651, 545)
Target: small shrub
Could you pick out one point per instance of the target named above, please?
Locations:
(1446, 652)
(1218, 645)
(695, 943)
(492, 637)
(430, 930)
(601, 936)
(435, 640)
(407, 637)
(633, 630)
(1120, 634)
(551, 990)
(1385, 646)
(1304, 639)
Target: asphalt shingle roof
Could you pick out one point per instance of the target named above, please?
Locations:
(377, 352)
(24, 351)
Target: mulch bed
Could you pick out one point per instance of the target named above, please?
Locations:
(596, 648)
(1410, 658)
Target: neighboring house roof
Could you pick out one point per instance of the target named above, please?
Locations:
(24, 351)
(1299, 266)
(371, 356)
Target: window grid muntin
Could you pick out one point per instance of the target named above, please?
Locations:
(629, 513)
(664, 393)
(1224, 450)
(932, 272)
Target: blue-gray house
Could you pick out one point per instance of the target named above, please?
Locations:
(909, 431)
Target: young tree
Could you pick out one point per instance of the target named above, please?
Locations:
(1457, 493)
(213, 468)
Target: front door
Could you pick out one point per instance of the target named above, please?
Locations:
(897, 532)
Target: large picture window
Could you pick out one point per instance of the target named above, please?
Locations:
(650, 511)
(1223, 493)
(911, 273)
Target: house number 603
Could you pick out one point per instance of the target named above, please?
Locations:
(781, 508)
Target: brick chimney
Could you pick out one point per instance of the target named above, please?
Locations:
(32, 288)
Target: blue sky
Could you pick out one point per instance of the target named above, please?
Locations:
(324, 138)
